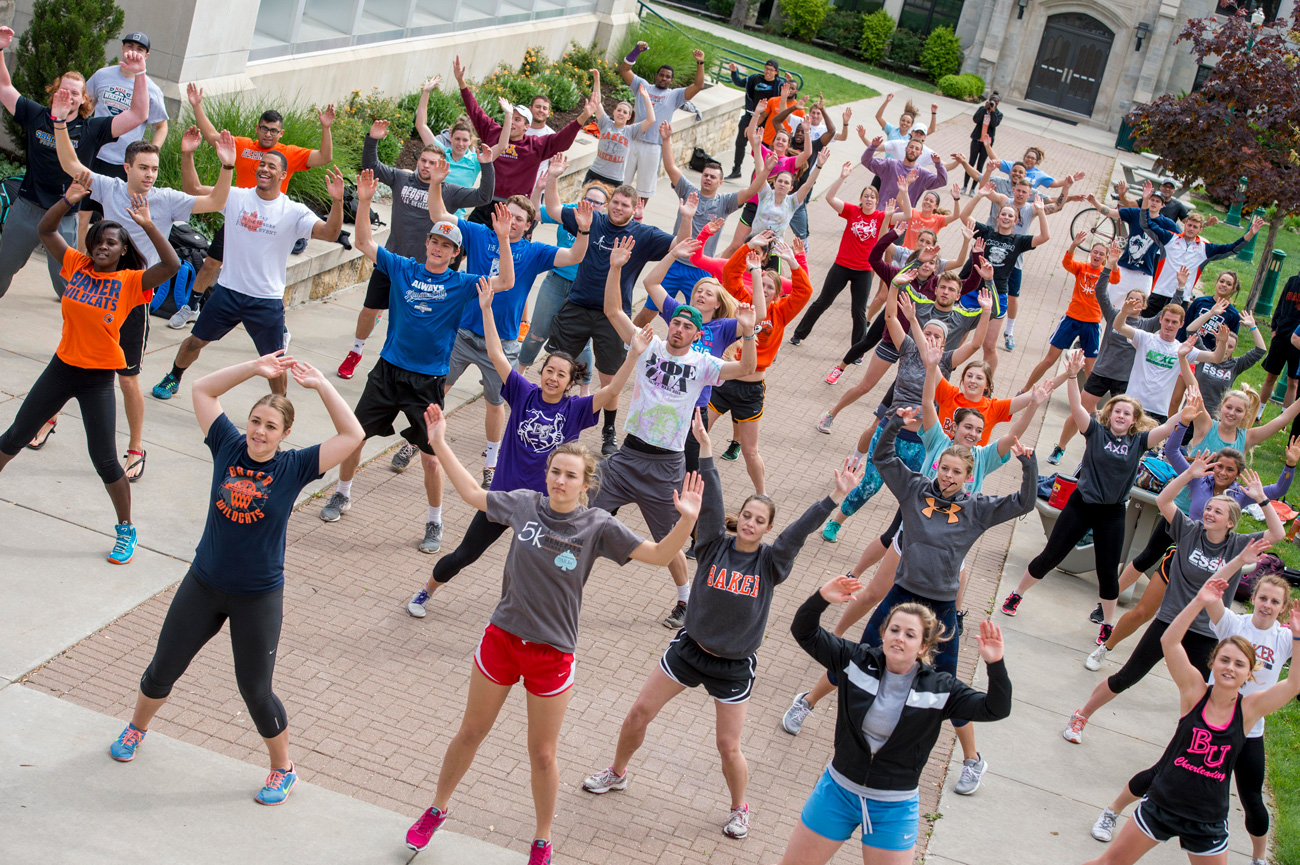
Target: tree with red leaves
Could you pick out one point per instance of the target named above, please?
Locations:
(1243, 122)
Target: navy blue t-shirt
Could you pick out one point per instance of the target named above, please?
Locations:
(242, 548)
(424, 311)
(1210, 330)
(1140, 250)
(589, 287)
(482, 255)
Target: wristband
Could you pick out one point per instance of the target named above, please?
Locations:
(227, 167)
(584, 232)
(751, 336)
(633, 54)
(65, 201)
(1253, 327)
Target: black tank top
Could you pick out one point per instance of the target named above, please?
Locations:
(1192, 775)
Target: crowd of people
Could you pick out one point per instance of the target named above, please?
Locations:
(455, 277)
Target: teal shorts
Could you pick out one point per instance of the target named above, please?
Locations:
(834, 812)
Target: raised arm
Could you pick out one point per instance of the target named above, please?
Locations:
(364, 241)
(1077, 411)
(625, 65)
(48, 228)
(1274, 697)
(698, 84)
(1037, 398)
(1043, 234)
(329, 228)
(745, 321)
(653, 281)
(880, 112)
(8, 93)
(666, 152)
(1190, 682)
(422, 110)
(811, 180)
(194, 93)
(976, 340)
(205, 394)
(1201, 465)
(214, 199)
(138, 112)
(491, 339)
(929, 408)
(1261, 433)
(832, 196)
(324, 154)
(608, 394)
(348, 434)
(551, 199)
(466, 485)
(620, 255)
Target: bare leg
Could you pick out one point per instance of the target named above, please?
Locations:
(366, 320)
(1049, 359)
(644, 316)
(1145, 610)
(677, 569)
(188, 352)
(433, 479)
(806, 847)
(991, 340)
(1132, 844)
(545, 717)
(494, 422)
(278, 749)
(731, 722)
(821, 689)
(481, 710)
(206, 277)
(655, 694)
(966, 737)
(1123, 800)
(1100, 696)
(348, 468)
(864, 440)
(874, 552)
(120, 492)
(747, 435)
(961, 588)
(145, 709)
(737, 239)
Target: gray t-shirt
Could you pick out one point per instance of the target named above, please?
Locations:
(960, 320)
(910, 381)
(1115, 359)
(166, 206)
(1215, 379)
(1195, 561)
(665, 103)
(112, 94)
(550, 558)
(721, 204)
(882, 717)
(611, 153)
(1002, 186)
(1110, 464)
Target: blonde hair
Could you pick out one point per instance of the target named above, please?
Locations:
(962, 453)
(1141, 420)
(932, 630)
(1279, 582)
(280, 404)
(727, 305)
(1234, 509)
(580, 450)
(1251, 397)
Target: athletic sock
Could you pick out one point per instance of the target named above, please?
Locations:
(611, 419)
(1011, 325)
(858, 456)
(345, 488)
(683, 592)
(177, 372)
(490, 455)
(358, 345)
(435, 514)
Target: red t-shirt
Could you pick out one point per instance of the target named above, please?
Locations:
(860, 236)
(94, 307)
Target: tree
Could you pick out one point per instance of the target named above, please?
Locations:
(1243, 122)
(63, 36)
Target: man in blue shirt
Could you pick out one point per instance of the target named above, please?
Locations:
(425, 304)
(1137, 266)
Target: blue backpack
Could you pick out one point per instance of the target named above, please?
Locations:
(174, 293)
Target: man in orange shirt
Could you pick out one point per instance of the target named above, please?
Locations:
(248, 155)
(1082, 318)
(766, 117)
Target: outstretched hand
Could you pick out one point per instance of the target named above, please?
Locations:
(840, 590)
(690, 498)
(307, 375)
(140, 210)
(1212, 590)
(273, 365)
(701, 433)
(848, 477)
(436, 424)
(1019, 450)
(990, 640)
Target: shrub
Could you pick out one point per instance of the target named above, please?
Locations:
(876, 30)
(722, 7)
(843, 29)
(564, 94)
(352, 122)
(941, 54)
(534, 62)
(803, 18)
(968, 87)
(904, 48)
(444, 107)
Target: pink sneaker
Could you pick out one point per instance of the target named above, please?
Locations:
(349, 366)
(540, 853)
(834, 375)
(419, 835)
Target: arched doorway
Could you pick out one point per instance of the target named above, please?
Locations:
(1071, 62)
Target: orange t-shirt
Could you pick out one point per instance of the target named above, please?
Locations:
(1083, 302)
(248, 153)
(918, 223)
(950, 398)
(771, 108)
(94, 307)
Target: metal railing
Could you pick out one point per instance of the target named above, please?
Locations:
(720, 56)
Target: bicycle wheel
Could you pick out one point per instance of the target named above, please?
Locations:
(1098, 227)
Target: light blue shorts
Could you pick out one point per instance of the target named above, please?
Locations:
(833, 812)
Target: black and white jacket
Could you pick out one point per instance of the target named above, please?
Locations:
(935, 697)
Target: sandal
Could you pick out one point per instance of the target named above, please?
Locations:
(130, 464)
(39, 441)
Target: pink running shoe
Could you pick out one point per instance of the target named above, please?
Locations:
(540, 853)
(419, 835)
(834, 375)
(349, 366)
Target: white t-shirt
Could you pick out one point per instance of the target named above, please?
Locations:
(166, 206)
(1155, 369)
(540, 133)
(260, 235)
(898, 149)
(665, 388)
(112, 92)
(1272, 651)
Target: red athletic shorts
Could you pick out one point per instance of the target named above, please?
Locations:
(505, 659)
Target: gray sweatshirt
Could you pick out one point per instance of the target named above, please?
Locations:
(939, 531)
(411, 221)
(732, 592)
(1115, 358)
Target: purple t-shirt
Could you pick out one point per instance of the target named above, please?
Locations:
(717, 335)
(534, 429)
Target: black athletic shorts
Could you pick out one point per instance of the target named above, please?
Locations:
(1198, 839)
(377, 290)
(1282, 354)
(573, 325)
(748, 213)
(390, 391)
(727, 680)
(1100, 385)
(133, 337)
(217, 248)
(744, 399)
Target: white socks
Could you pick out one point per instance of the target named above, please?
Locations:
(345, 488)
(435, 514)
(358, 345)
(490, 454)
(858, 456)
(1011, 325)
(683, 592)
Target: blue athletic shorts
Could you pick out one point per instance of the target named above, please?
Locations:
(1013, 282)
(262, 318)
(833, 812)
(679, 282)
(1088, 333)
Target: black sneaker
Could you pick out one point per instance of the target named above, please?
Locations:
(732, 453)
(1095, 616)
(608, 441)
(794, 340)
(735, 172)
(677, 617)
(961, 622)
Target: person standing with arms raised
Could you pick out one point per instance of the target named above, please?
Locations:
(642, 167)
(759, 88)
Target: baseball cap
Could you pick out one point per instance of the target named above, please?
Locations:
(525, 111)
(448, 230)
(919, 127)
(771, 61)
(688, 311)
(138, 38)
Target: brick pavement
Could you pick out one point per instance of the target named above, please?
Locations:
(374, 696)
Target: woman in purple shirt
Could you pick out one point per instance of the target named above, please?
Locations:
(541, 419)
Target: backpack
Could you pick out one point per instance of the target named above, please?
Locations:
(699, 156)
(351, 204)
(1267, 564)
(1153, 474)
(174, 293)
(190, 245)
(8, 195)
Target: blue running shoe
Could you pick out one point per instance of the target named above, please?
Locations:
(123, 750)
(278, 786)
(124, 549)
(831, 532)
(166, 389)
(416, 607)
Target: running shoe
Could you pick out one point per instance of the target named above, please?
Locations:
(432, 538)
(183, 316)
(487, 478)
(690, 551)
(831, 534)
(421, 832)
(792, 720)
(1074, 730)
(1096, 657)
(1104, 828)
(972, 773)
(794, 340)
(279, 784)
(1009, 342)
(834, 375)
(677, 617)
(124, 548)
(858, 362)
(824, 425)
(737, 825)
(403, 457)
(1011, 604)
(608, 442)
(123, 750)
(961, 623)
(166, 389)
(735, 172)
(1104, 633)
(335, 507)
(604, 781)
(416, 607)
(539, 853)
(1057, 453)
(732, 453)
(349, 366)
(1097, 616)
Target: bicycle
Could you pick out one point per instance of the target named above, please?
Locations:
(1091, 221)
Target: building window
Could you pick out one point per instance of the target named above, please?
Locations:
(922, 16)
(286, 27)
(1202, 74)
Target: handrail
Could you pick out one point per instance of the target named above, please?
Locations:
(721, 52)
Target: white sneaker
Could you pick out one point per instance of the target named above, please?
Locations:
(1096, 658)
(1104, 828)
(416, 606)
(737, 825)
(792, 720)
(604, 781)
(183, 316)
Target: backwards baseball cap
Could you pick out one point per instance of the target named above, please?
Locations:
(688, 311)
(525, 111)
(138, 38)
(448, 230)
(771, 61)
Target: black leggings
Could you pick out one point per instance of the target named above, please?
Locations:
(1156, 547)
(1249, 770)
(978, 156)
(195, 616)
(1107, 524)
(481, 534)
(1149, 652)
(859, 283)
(872, 338)
(93, 391)
(741, 141)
